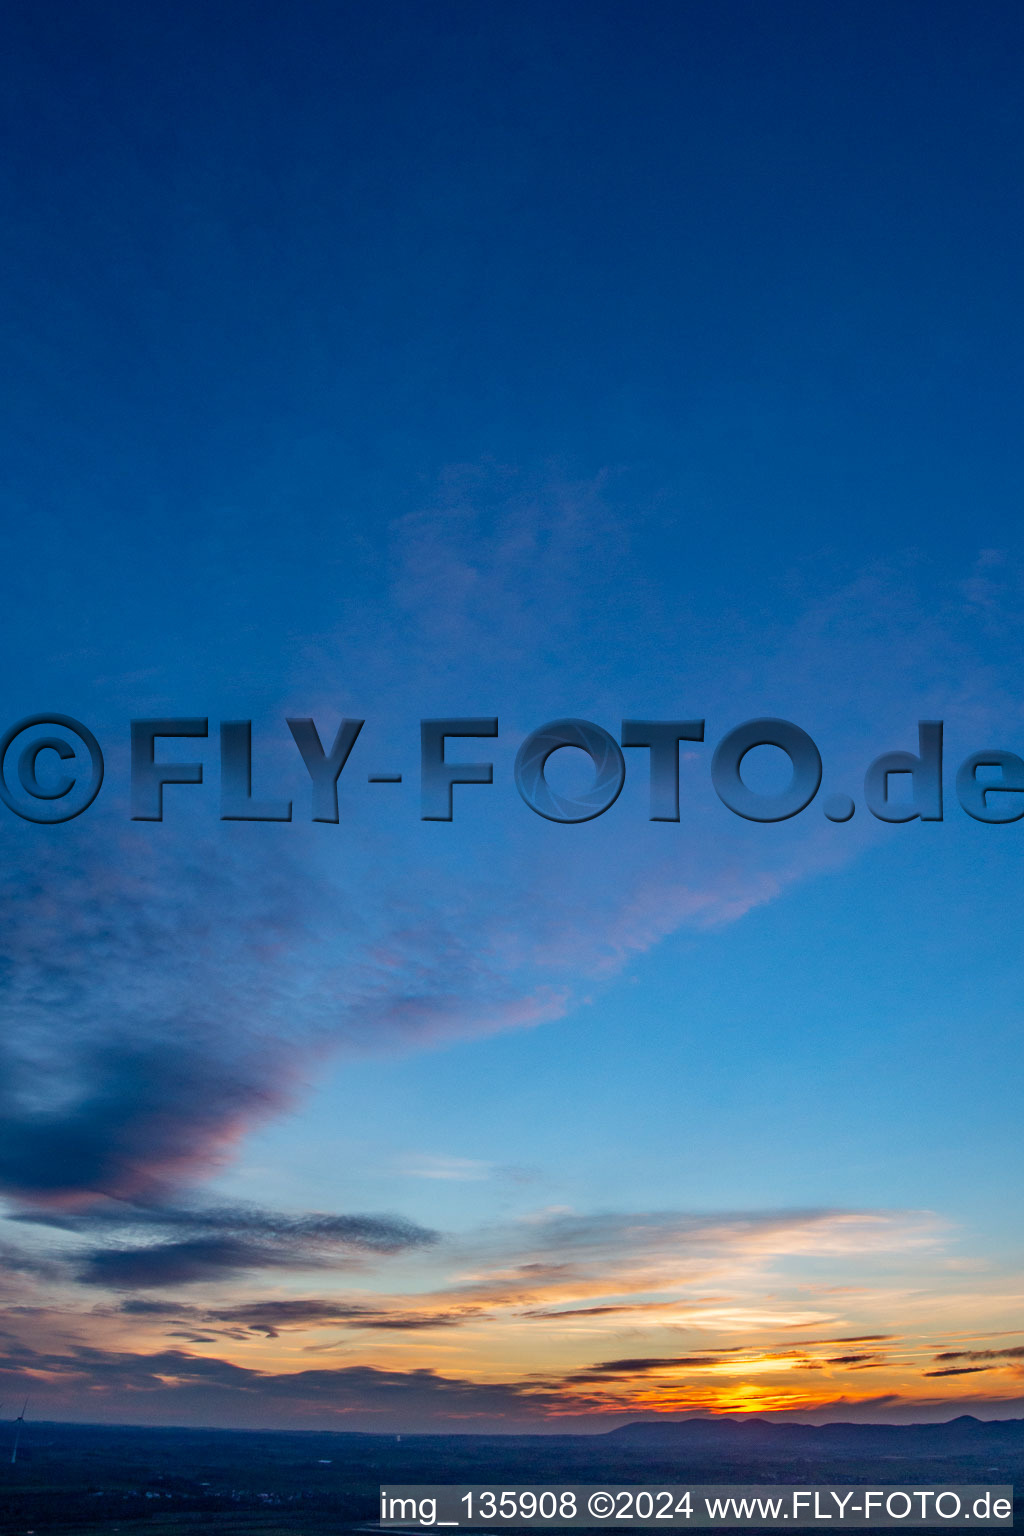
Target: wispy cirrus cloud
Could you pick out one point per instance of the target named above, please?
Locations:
(273, 1317)
(458, 1169)
(167, 990)
(658, 1247)
(184, 1246)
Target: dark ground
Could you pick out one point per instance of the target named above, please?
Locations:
(78, 1479)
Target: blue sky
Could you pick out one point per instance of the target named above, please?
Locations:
(533, 361)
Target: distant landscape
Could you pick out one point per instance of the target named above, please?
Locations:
(77, 1478)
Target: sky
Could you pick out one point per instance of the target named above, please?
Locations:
(518, 362)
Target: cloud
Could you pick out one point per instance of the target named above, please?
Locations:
(158, 1005)
(272, 1317)
(737, 1357)
(411, 1321)
(159, 1386)
(1012, 1355)
(166, 990)
(187, 1245)
(458, 1169)
(172, 1385)
(15, 1261)
(608, 1310)
(132, 1055)
(647, 1273)
(169, 989)
(175, 1385)
(642, 1366)
(958, 1370)
(650, 1248)
(1014, 1352)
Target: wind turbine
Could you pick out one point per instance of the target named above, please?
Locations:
(19, 1421)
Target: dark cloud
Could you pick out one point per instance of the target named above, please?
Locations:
(609, 1370)
(271, 1317)
(137, 1103)
(606, 1369)
(408, 1321)
(959, 1370)
(854, 1338)
(136, 1307)
(132, 1053)
(168, 1246)
(161, 999)
(165, 994)
(159, 1264)
(604, 1311)
(556, 1312)
(1014, 1352)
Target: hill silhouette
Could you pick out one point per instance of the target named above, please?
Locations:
(963, 1436)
